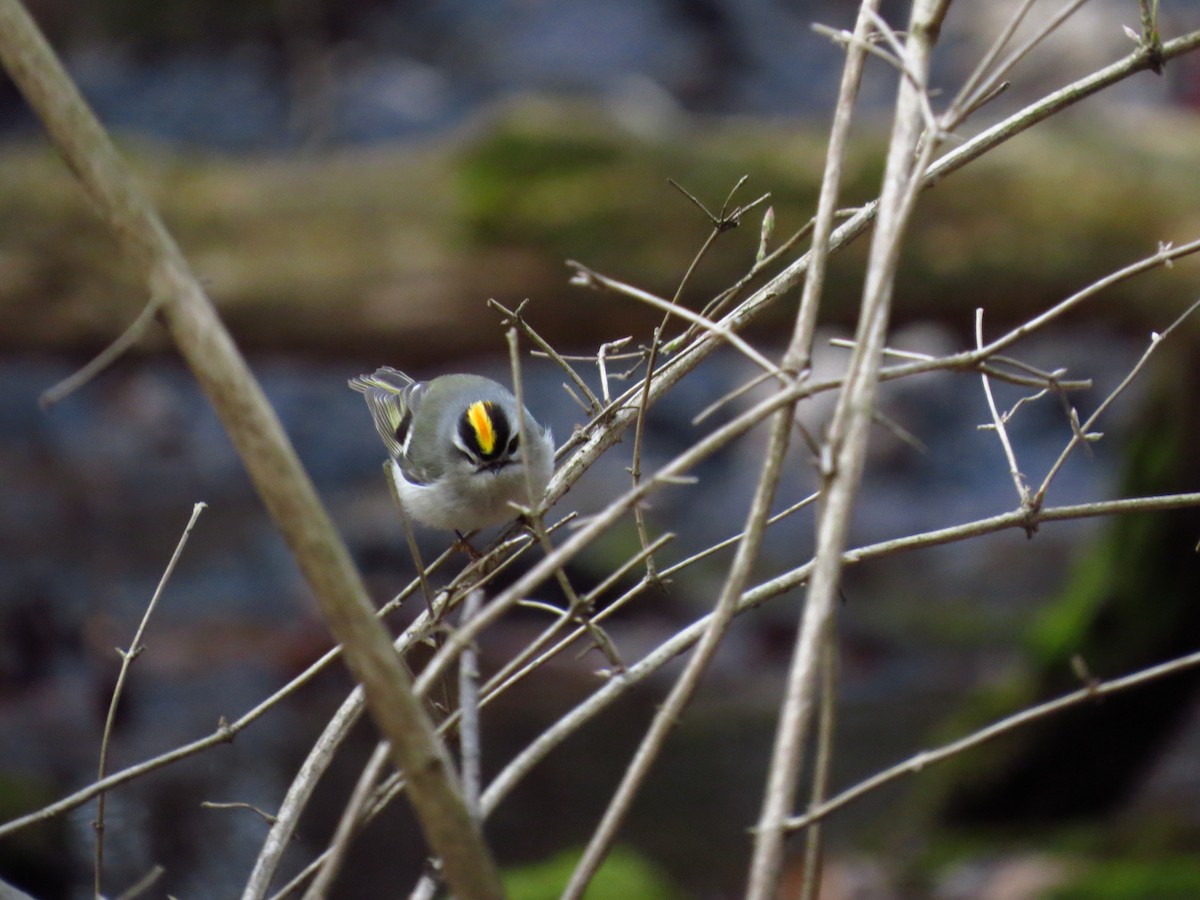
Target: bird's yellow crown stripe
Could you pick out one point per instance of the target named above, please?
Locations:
(481, 424)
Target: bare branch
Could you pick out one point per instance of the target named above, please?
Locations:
(588, 278)
(264, 448)
(514, 317)
(105, 358)
(845, 451)
(609, 693)
(998, 423)
(1091, 692)
(127, 658)
(1083, 433)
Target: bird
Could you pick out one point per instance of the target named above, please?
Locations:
(461, 458)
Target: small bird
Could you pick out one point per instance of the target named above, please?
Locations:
(456, 447)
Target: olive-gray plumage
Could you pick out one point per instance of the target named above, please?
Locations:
(456, 445)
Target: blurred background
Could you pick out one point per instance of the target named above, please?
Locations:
(352, 181)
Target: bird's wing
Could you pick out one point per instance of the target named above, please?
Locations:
(392, 398)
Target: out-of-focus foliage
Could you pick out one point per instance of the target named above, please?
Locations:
(624, 876)
(399, 247)
(1173, 878)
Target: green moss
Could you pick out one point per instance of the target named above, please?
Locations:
(369, 242)
(1056, 632)
(1101, 612)
(625, 875)
(567, 183)
(1175, 878)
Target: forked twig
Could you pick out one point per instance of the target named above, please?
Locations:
(612, 690)
(1082, 433)
(721, 223)
(998, 422)
(968, 101)
(127, 658)
(589, 278)
(514, 317)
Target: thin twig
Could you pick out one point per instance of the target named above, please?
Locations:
(602, 357)
(1093, 691)
(1014, 470)
(1036, 377)
(237, 804)
(347, 826)
(728, 397)
(637, 673)
(639, 436)
(104, 358)
(514, 317)
(826, 721)
(1082, 433)
(588, 278)
(143, 884)
(127, 658)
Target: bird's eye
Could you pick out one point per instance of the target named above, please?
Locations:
(513, 444)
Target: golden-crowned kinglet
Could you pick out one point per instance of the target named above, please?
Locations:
(456, 447)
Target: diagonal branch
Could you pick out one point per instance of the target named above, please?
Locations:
(681, 641)
(1090, 692)
(127, 658)
(269, 457)
(844, 455)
